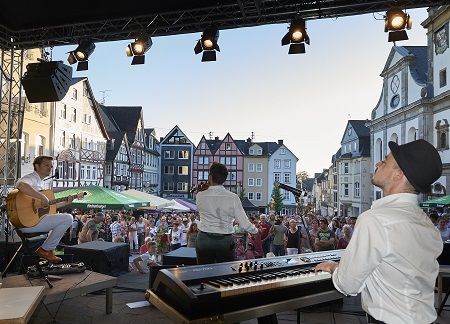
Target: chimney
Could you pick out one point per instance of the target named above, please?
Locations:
(280, 142)
(249, 140)
(216, 138)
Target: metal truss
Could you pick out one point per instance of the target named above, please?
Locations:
(11, 117)
(195, 16)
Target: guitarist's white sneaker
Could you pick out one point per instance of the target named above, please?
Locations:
(48, 255)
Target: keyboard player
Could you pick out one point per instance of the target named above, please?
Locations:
(218, 208)
(391, 258)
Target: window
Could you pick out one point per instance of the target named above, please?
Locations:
(233, 175)
(276, 177)
(251, 152)
(258, 167)
(73, 115)
(62, 140)
(63, 113)
(169, 169)
(74, 94)
(250, 196)
(203, 146)
(443, 78)
(287, 177)
(227, 146)
(346, 168)
(251, 182)
(222, 160)
(183, 169)
(108, 169)
(346, 190)
(233, 160)
(357, 191)
(203, 175)
(287, 164)
(251, 167)
(200, 160)
(258, 182)
(442, 130)
(40, 144)
(228, 160)
(206, 160)
(86, 119)
(259, 152)
(258, 196)
(277, 164)
(72, 141)
(182, 186)
(183, 154)
(282, 151)
(168, 186)
(169, 154)
(286, 195)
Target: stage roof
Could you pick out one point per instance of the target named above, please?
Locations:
(34, 24)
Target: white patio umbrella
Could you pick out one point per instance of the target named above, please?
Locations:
(176, 206)
(155, 201)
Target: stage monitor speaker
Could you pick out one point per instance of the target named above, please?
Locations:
(104, 257)
(46, 81)
(181, 256)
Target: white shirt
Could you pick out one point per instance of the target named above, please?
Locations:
(34, 180)
(218, 208)
(391, 261)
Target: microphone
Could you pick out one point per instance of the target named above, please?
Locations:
(295, 191)
(56, 175)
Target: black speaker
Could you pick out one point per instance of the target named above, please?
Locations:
(46, 81)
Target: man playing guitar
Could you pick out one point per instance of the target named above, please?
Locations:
(56, 224)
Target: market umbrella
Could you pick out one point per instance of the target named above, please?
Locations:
(191, 206)
(436, 202)
(176, 206)
(101, 198)
(155, 201)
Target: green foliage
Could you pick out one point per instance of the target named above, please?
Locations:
(277, 198)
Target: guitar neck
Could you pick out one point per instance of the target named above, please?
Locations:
(58, 200)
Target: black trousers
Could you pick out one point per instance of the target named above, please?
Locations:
(213, 248)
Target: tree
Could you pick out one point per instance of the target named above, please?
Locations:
(241, 194)
(277, 198)
(302, 175)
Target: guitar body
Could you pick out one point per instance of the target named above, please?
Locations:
(26, 211)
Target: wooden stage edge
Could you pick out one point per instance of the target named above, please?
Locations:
(71, 285)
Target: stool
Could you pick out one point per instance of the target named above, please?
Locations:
(443, 269)
(26, 243)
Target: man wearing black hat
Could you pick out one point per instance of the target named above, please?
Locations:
(391, 258)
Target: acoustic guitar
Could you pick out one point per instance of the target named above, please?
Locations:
(26, 211)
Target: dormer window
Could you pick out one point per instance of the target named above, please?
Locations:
(251, 152)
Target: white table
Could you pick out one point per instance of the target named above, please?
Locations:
(18, 304)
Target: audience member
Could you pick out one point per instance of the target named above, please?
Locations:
(149, 258)
(344, 240)
(325, 238)
(293, 238)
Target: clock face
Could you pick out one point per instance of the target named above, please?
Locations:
(441, 39)
(395, 83)
(395, 101)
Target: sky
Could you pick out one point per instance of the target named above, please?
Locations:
(255, 89)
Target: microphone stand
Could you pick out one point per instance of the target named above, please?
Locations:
(297, 203)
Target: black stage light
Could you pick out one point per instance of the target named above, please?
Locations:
(296, 37)
(208, 44)
(395, 23)
(81, 55)
(138, 48)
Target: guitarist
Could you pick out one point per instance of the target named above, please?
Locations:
(56, 224)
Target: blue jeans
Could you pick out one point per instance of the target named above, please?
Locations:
(278, 250)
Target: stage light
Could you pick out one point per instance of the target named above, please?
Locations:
(208, 44)
(296, 37)
(395, 23)
(138, 48)
(81, 55)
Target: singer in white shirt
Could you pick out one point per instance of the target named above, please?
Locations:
(56, 224)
